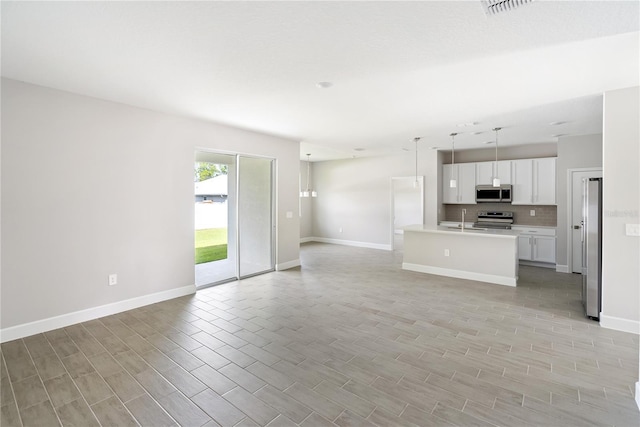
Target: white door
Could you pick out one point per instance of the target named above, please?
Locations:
(407, 203)
(575, 215)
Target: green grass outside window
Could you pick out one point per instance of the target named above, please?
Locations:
(211, 245)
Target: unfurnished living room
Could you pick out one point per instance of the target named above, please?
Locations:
(345, 213)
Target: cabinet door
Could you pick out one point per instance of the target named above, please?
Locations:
(504, 171)
(524, 247)
(522, 182)
(449, 195)
(545, 181)
(484, 173)
(467, 183)
(544, 249)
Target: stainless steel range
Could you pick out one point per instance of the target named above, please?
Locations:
(494, 219)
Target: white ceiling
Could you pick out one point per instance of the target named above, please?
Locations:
(399, 69)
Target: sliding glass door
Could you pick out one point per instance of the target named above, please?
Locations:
(255, 215)
(234, 221)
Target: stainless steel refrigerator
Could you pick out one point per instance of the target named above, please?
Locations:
(592, 247)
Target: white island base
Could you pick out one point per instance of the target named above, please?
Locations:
(483, 255)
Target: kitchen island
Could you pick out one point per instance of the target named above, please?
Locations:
(474, 254)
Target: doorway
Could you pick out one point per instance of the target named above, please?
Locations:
(407, 206)
(234, 220)
(574, 215)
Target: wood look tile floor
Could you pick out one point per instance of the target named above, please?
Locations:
(348, 340)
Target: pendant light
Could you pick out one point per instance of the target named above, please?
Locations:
(452, 182)
(415, 183)
(308, 192)
(496, 180)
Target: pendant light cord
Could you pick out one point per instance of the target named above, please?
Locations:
(453, 152)
(416, 141)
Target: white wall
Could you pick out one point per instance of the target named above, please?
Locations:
(355, 195)
(574, 152)
(621, 205)
(91, 187)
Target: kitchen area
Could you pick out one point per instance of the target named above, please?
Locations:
(498, 215)
(495, 215)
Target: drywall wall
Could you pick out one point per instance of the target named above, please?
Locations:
(91, 187)
(621, 206)
(574, 152)
(354, 195)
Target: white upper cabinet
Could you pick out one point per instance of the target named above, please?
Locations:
(485, 172)
(534, 181)
(465, 190)
(544, 181)
(522, 185)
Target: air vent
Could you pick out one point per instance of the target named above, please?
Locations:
(495, 7)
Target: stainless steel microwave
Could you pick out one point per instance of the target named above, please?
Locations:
(491, 194)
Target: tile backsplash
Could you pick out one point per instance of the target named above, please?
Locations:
(545, 215)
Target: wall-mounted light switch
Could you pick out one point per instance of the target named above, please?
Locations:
(446, 252)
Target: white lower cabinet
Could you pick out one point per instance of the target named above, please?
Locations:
(536, 244)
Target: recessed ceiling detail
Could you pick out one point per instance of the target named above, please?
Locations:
(494, 7)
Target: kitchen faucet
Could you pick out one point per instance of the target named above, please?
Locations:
(464, 211)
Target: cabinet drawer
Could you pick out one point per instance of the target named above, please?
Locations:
(535, 231)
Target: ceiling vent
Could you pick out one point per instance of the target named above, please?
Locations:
(495, 7)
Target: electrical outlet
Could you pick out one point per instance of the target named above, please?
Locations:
(633, 229)
(340, 230)
(532, 212)
(289, 214)
(446, 252)
(113, 279)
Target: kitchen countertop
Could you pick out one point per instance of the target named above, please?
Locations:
(489, 232)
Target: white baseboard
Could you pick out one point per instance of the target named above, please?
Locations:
(638, 394)
(287, 265)
(381, 246)
(461, 274)
(64, 320)
(619, 324)
(562, 268)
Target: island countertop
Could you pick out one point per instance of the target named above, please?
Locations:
(489, 232)
(486, 255)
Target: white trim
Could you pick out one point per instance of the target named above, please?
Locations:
(638, 394)
(619, 324)
(562, 268)
(287, 265)
(44, 325)
(307, 239)
(381, 246)
(461, 274)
